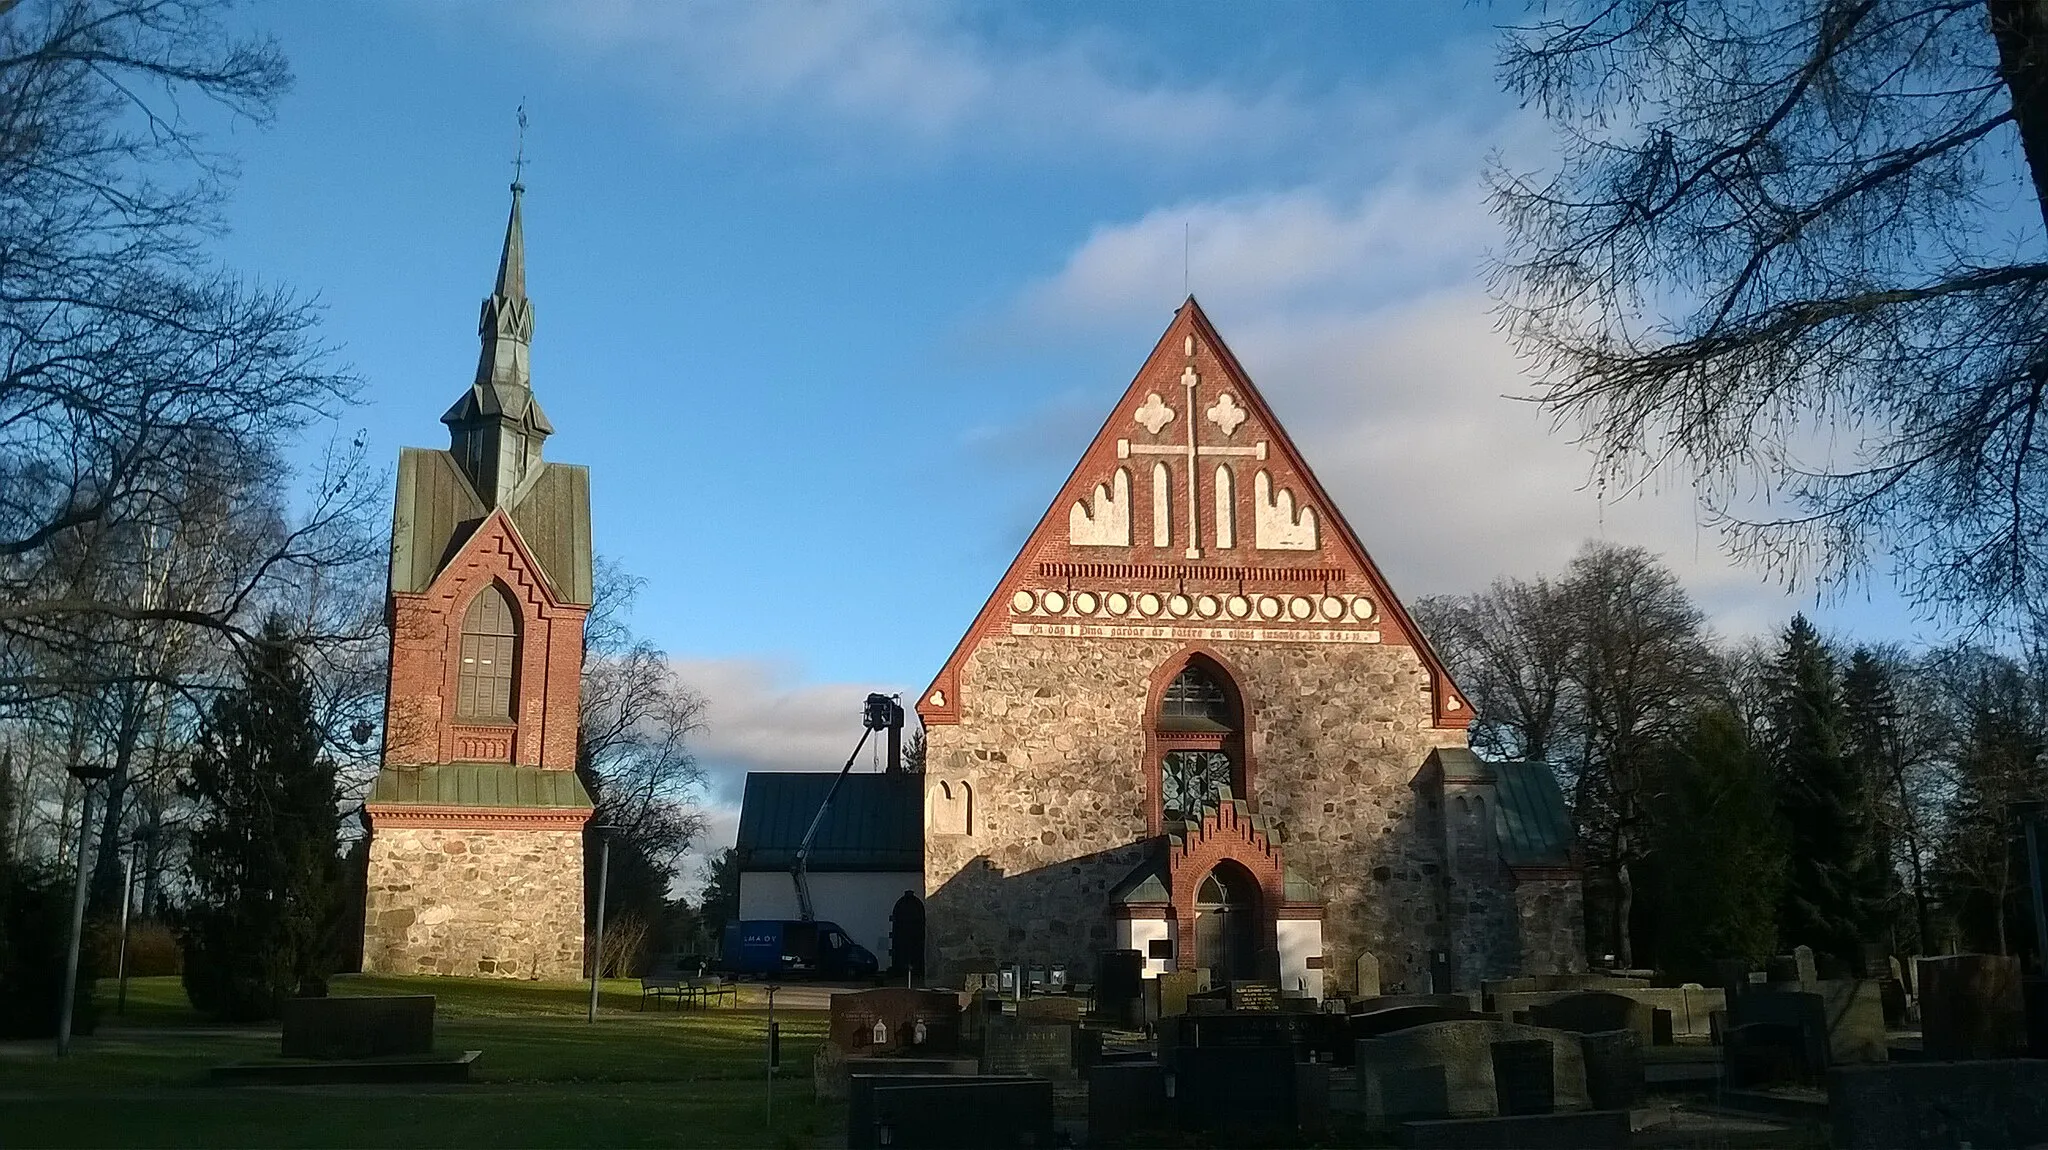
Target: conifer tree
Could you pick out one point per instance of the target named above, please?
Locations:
(1720, 848)
(1818, 799)
(264, 868)
(1874, 745)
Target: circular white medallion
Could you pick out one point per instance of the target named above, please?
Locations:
(1148, 604)
(1022, 602)
(1206, 606)
(1084, 603)
(1054, 602)
(1118, 603)
(1269, 607)
(1361, 608)
(1300, 608)
(1331, 607)
(1179, 605)
(1238, 606)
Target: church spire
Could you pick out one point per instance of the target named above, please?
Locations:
(495, 430)
(506, 324)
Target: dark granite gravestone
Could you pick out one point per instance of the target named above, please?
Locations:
(1254, 995)
(1120, 988)
(1013, 1047)
(342, 1028)
(1614, 1069)
(1523, 1078)
(2034, 993)
(1126, 1098)
(1594, 1012)
(1972, 1006)
(1251, 1091)
(896, 1019)
(1930, 1105)
(984, 1113)
(1389, 1001)
(1794, 1048)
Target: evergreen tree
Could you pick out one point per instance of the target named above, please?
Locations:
(1873, 743)
(1818, 799)
(264, 870)
(1720, 848)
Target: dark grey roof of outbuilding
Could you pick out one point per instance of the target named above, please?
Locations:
(1530, 818)
(876, 822)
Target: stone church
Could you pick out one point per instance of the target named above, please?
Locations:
(476, 817)
(1194, 720)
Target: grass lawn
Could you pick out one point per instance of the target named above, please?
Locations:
(547, 1077)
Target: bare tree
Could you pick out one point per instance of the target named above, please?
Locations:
(1795, 253)
(146, 395)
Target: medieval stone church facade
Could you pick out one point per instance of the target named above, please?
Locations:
(476, 817)
(1194, 720)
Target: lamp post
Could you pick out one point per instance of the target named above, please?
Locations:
(86, 776)
(604, 874)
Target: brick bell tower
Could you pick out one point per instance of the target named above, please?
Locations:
(476, 818)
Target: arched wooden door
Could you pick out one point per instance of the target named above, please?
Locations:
(1227, 924)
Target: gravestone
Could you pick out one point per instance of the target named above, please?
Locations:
(1854, 1010)
(1776, 1036)
(1373, 1023)
(1174, 989)
(1614, 1069)
(1446, 1069)
(1367, 975)
(1248, 1090)
(332, 1029)
(1119, 988)
(1972, 1006)
(984, 1113)
(2034, 994)
(1782, 969)
(1803, 965)
(895, 1019)
(1594, 1012)
(1011, 1047)
(1524, 1078)
(1125, 1099)
(1254, 995)
(1051, 1008)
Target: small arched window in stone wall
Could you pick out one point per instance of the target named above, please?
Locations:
(952, 807)
(490, 653)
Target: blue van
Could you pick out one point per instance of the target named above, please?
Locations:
(791, 948)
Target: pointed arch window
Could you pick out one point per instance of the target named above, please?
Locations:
(490, 654)
(1198, 730)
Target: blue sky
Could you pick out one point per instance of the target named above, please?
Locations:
(831, 297)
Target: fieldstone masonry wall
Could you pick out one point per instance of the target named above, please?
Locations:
(506, 903)
(1052, 738)
(1551, 920)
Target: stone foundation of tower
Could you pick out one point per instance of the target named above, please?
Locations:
(503, 903)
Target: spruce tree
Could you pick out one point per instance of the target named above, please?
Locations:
(1819, 800)
(1872, 741)
(264, 869)
(1720, 848)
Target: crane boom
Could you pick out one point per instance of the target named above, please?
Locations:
(882, 713)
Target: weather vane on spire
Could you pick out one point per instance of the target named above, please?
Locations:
(519, 154)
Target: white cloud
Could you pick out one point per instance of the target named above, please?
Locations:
(934, 73)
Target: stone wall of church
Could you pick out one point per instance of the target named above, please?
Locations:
(1051, 739)
(1551, 921)
(505, 903)
(1479, 898)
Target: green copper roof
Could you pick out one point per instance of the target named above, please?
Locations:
(875, 822)
(479, 785)
(1530, 817)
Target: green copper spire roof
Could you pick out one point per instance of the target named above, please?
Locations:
(496, 428)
